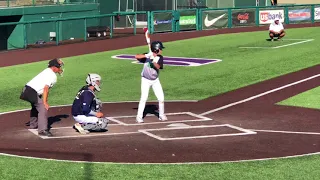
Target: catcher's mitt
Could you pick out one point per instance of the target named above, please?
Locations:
(97, 105)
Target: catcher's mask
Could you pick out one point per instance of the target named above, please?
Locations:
(94, 80)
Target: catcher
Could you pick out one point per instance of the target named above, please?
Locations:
(86, 108)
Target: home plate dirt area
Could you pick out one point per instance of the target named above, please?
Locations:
(243, 124)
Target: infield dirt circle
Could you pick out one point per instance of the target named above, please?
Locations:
(239, 125)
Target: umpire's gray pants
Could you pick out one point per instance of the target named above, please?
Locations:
(39, 116)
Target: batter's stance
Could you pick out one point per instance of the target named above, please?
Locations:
(153, 62)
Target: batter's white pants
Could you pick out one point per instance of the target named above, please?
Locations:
(86, 119)
(158, 91)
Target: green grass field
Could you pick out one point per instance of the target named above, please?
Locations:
(308, 99)
(121, 82)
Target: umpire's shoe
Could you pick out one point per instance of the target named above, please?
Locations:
(45, 133)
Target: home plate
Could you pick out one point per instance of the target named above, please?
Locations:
(178, 125)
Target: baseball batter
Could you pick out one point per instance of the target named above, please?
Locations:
(153, 62)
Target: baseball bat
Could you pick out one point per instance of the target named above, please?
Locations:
(147, 36)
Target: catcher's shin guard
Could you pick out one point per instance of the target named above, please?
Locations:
(99, 126)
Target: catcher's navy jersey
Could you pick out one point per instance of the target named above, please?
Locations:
(83, 102)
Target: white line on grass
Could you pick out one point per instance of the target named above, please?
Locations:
(286, 45)
(256, 47)
(291, 44)
(285, 39)
(259, 95)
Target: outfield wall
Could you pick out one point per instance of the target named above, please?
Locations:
(12, 35)
(75, 26)
(203, 19)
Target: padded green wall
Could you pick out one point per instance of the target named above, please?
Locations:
(241, 3)
(41, 31)
(225, 4)
(16, 38)
(11, 37)
(68, 29)
(107, 7)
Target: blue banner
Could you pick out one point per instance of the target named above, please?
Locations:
(300, 15)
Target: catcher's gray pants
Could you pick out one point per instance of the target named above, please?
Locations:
(91, 122)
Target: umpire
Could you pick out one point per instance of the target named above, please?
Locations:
(36, 93)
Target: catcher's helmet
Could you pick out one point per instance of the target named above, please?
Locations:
(94, 80)
(156, 46)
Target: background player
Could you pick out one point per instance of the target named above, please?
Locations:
(276, 29)
(86, 107)
(153, 62)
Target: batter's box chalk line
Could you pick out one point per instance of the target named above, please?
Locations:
(34, 131)
(120, 123)
(243, 132)
(198, 117)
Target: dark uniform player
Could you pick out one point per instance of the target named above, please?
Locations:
(86, 107)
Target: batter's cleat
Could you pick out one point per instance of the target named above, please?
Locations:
(139, 120)
(45, 133)
(79, 128)
(163, 118)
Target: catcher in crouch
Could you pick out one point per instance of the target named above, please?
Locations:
(86, 108)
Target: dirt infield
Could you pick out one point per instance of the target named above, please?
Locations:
(238, 125)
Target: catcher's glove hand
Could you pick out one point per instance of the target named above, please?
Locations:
(98, 105)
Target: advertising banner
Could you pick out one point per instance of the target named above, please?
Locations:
(299, 15)
(214, 19)
(268, 16)
(245, 17)
(317, 13)
(188, 20)
(162, 21)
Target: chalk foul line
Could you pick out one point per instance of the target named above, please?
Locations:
(259, 95)
(291, 44)
(277, 47)
(285, 132)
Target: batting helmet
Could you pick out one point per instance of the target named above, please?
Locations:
(156, 46)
